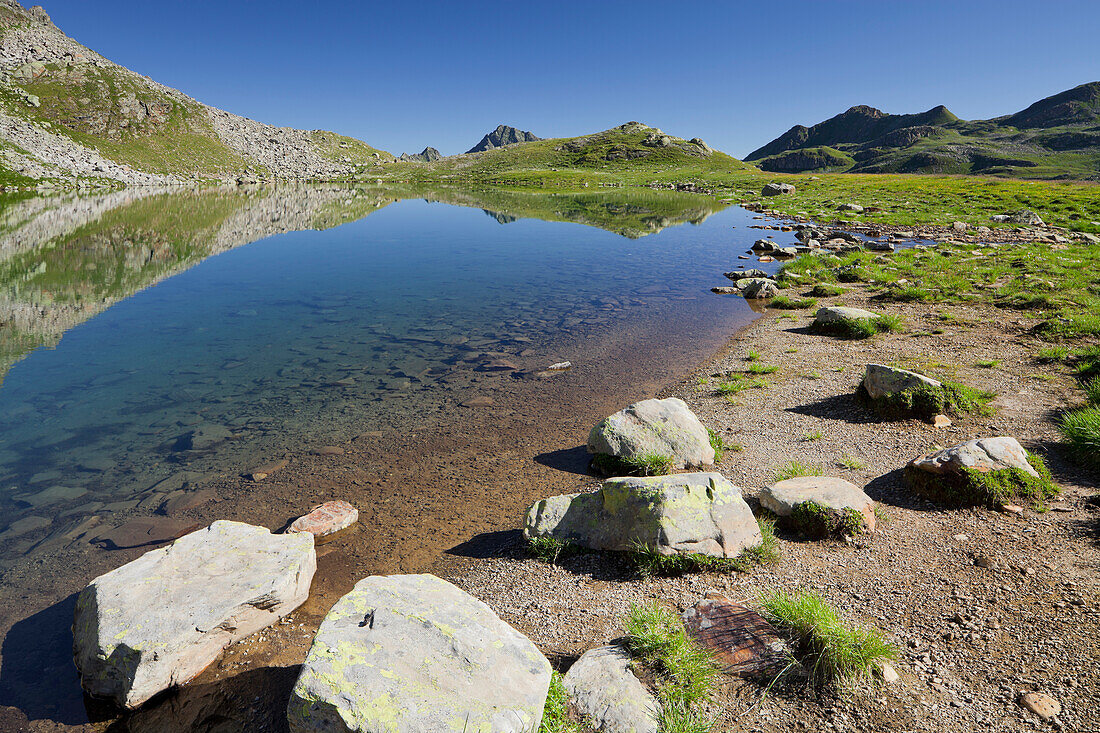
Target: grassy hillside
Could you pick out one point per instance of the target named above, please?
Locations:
(1057, 137)
(629, 154)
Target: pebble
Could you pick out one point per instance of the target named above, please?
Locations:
(1045, 706)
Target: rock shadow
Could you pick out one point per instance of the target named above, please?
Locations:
(37, 674)
(893, 490)
(254, 700)
(846, 407)
(570, 460)
(507, 543)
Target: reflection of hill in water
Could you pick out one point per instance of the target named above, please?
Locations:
(66, 259)
(632, 213)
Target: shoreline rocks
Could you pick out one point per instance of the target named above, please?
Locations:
(413, 653)
(158, 621)
(686, 513)
(606, 692)
(653, 427)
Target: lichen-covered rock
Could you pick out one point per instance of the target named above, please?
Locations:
(654, 427)
(742, 274)
(994, 472)
(882, 381)
(761, 289)
(156, 622)
(413, 653)
(684, 513)
(834, 495)
(777, 189)
(605, 691)
(838, 313)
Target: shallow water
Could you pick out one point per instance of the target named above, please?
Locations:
(156, 342)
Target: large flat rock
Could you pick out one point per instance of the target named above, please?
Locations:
(654, 427)
(413, 653)
(742, 640)
(605, 691)
(982, 454)
(683, 513)
(156, 622)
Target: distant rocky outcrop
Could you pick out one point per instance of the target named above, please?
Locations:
(427, 155)
(867, 140)
(503, 135)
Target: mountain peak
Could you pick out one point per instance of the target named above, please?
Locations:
(503, 135)
(1077, 106)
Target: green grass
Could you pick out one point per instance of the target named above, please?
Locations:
(859, 328)
(795, 469)
(686, 675)
(852, 464)
(553, 551)
(649, 464)
(813, 435)
(987, 364)
(784, 303)
(738, 384)
(555, 713)
(927, 401)
(1081, 430)
(651, 563)
(718, 444)
(753, 355)
(1092, 391)
(971, 487)
(824, 290)
(758, 368)
(816, 521)
(835, 650)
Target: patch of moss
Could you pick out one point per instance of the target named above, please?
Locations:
(650, 464)
(824, 290)
(927, 401)
(817, 521)
(858, 328)
(972, 487)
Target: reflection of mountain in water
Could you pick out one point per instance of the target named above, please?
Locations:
(65, 259)
(501, 218)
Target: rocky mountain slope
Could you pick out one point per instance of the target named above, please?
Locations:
(69, 115)
(427, 155)
(1057, 137)
(503, 135)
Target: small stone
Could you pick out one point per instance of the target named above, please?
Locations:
(560, 366)
(1011, 508)
(988, 563)
(326, 519)
(1045, 706)
(941, 421)
(259, 473)
(886, 672)
(329, 450)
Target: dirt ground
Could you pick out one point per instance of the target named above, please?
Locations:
(971, 638)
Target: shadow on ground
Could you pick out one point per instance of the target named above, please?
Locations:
(570, 460)
(37, 675)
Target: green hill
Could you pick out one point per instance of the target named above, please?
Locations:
(629, 153)
(1057, 137)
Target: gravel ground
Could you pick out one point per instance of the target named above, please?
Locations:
(971, 638)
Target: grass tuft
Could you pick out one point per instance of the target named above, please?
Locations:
(782, 302)
(816, 521)
(824, 290)
(686, 674)
(718, 444)
(794, 469)
(555, 714)
(648, 464)
(859, 328)
(1081, 429)
(834, 649)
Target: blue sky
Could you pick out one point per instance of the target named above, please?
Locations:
(403, 75)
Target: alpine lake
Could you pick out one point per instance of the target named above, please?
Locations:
(170, 358)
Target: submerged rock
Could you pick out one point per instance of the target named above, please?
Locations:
(326, 519)
(413, 653)
(680, 514)
(156, 622)
(751, 272)
(605, 691)
(654, 428)
(882, 381)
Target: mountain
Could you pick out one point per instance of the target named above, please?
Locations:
(503, 135)
(70, 116)
(427, 155)
(1057, 137)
